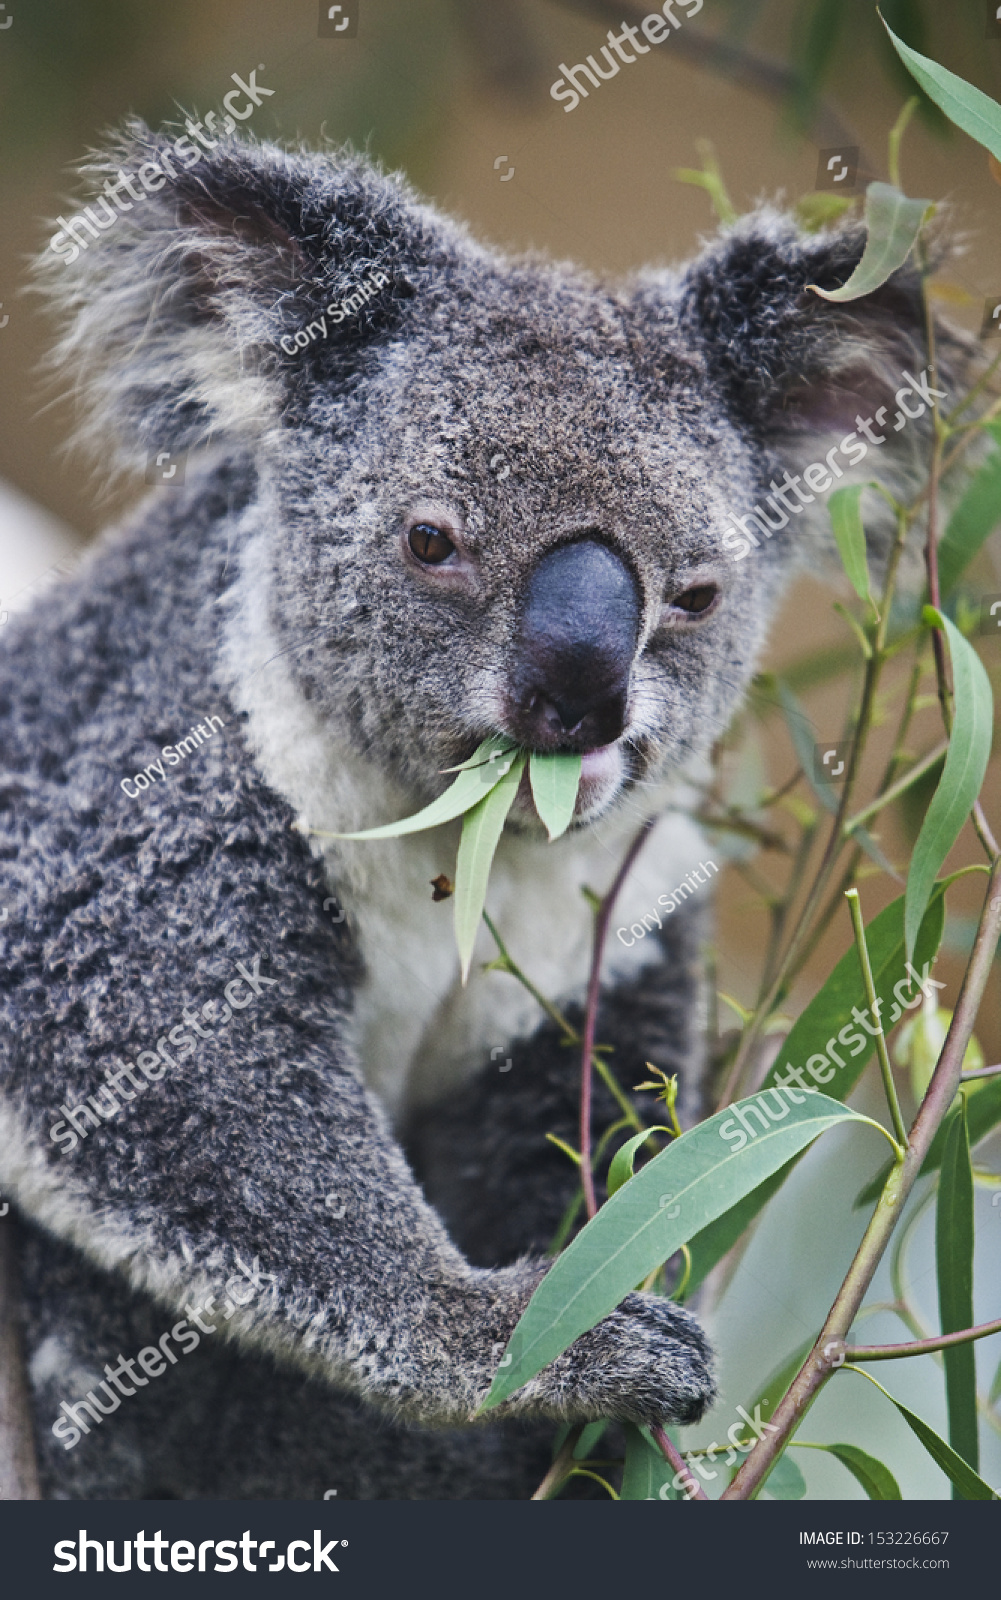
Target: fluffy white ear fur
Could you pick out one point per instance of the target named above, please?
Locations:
(173, 317)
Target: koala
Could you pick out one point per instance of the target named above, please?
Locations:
(279, 1205)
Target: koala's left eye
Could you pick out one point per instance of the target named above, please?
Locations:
(695, 601)
(429, 544)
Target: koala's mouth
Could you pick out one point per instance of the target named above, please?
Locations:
(603, 774)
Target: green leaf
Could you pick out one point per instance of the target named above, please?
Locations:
(955, 1468)
(969, 108)
(711, 1244)
(487, 767)
(785, 1481)
(995, 1394)
(974, 519)
(828, 1014)
(555, 780)
(876, 1479)
(647, 1476)
(481, 833)
(849, 536)
(962, 775)
(954, 1265)
(983, 1113)
(894, 223)
(680, 1191)
(621, 1168)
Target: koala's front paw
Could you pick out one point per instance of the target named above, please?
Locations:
(649, 1362)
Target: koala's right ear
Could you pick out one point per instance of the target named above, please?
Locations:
(789, 362)
(182, 285)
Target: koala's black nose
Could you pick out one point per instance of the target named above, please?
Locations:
(574, 649)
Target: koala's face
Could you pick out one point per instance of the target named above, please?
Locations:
(513, 528)
(497, 492)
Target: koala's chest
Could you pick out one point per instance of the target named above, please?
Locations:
(419, 1032)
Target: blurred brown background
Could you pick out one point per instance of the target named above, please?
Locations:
(457, 93)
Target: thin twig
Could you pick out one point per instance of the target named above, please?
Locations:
(679, 1464)
(890, 1088)
(602, 918)
(920, 1347)
(561, 1467)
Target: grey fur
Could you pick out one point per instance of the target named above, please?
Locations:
(645, 411)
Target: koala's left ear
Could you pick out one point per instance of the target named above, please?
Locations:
(789, 362)
(183, 286)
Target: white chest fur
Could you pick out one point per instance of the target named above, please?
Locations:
(417, 1030)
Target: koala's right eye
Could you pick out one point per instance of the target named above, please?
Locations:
(429, 544)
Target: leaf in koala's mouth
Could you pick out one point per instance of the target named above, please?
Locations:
(484, 769)
(555, 780)
(482, 794)
(481, 831)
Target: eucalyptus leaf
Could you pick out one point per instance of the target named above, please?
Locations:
(486, 768)
(828, 1014)
(954, 1265)
(785, 1481)
(894, 223)
(876, 1479)
(481, 831)
(647, 1476)
(974, 519)
(969, 108)
(555, 780)
(849, 536)
(970, 1484)
(962, 776)
(679, 1192)
(621, 1168)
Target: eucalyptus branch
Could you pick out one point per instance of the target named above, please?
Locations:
(561, 1467)
(506, 963)
(890, 1088)
(603, 917)
(897, 789)
(828, 1351)
(920, 1347)
(973, 394)
(677, 1461)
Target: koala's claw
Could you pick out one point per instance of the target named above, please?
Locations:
(648, 1362)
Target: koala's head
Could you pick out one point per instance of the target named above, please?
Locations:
(502, 497)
